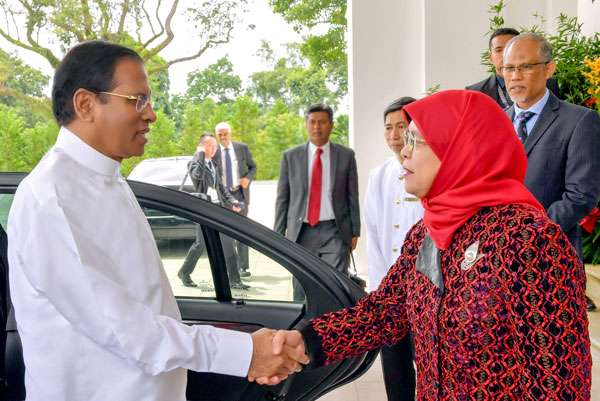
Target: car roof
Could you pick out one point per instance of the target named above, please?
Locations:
(163, 171)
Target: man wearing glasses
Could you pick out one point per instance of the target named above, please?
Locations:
(561, 140)
(389, 213)
(495, 85)
(94, 309)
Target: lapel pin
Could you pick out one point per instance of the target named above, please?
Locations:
(471, 256)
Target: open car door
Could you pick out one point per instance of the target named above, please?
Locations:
(179, 221)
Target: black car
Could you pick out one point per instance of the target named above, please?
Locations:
(268, 302)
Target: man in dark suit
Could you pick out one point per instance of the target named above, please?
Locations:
(494, 85)
(562, 140)
(239, 170)
(317, 194)
(4, 295)
(206, 178)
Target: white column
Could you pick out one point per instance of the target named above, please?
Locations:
(386, 61)
(589, 14)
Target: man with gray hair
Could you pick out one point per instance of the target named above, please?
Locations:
(239, 170)
(561, 140)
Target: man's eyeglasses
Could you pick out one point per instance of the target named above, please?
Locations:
(411, 140)
(524, 68)
(141, 101)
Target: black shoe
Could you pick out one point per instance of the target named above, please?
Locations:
(589, 304)
(187, 281)
(239, 286)
(244, 273)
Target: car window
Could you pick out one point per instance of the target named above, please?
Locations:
(182, 249)
(266, 279)
(5, 202)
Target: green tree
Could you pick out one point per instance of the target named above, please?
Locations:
(339, 134)
(293, 84)
(22, 86)
(68, 22)
(216, 81)
(161, 143)
(327, 51)
(283, 130)
(12, 157)
(198, 119)
(246, 121)
(37, 140)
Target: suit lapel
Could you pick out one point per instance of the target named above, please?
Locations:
(491, 88)
(547, 116)
(238, 152)
(303, 157)
(333, 154)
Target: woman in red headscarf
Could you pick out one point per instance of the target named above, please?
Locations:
(490, 289)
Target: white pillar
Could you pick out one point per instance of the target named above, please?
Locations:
(589, 14)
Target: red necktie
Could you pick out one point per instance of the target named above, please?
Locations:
(314, 200)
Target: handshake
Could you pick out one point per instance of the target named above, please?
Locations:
(276, 355)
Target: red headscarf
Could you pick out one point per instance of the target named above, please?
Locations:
(482, 160)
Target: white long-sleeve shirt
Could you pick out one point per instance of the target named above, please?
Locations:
(389, 213)
(94, 309)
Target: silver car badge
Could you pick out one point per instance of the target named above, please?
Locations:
(471, 256)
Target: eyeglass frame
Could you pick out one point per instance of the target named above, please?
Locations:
(411, 140)
(139, 99)
(525, 68)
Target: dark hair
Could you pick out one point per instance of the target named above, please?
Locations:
(89, 65)
(500, 32)
(398, 104)
(320, 107)
(204, 136)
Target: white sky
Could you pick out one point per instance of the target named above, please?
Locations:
(241, 49)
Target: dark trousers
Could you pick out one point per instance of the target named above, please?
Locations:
(325, 241)
(197, 249)
(399, 371)
(241, 248)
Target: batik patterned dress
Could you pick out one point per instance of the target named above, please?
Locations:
(510, 326)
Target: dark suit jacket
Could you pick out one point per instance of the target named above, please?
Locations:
(4, 295)
(563, 163)
(292, 192)
(246, 165)
(202, 178)
(489, 86)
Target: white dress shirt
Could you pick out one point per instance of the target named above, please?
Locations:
(94, 309)
(326, 211)
(234, 166)
(389, 213)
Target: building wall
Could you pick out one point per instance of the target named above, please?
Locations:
(402, 48)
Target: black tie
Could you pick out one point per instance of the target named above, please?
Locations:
(523, 117)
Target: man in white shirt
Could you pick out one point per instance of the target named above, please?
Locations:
(389, 213)
(94, 309)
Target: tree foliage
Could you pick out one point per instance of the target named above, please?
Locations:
(327, 51)
(67, 22)
(217, 81)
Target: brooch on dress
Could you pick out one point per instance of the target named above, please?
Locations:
(471, 256)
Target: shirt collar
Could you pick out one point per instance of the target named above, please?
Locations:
(230, 147)
(535, 108)
(312, 148)
(86, 155)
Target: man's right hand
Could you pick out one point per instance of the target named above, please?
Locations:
(276, 355)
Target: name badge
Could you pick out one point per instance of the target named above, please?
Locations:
(212, 195)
